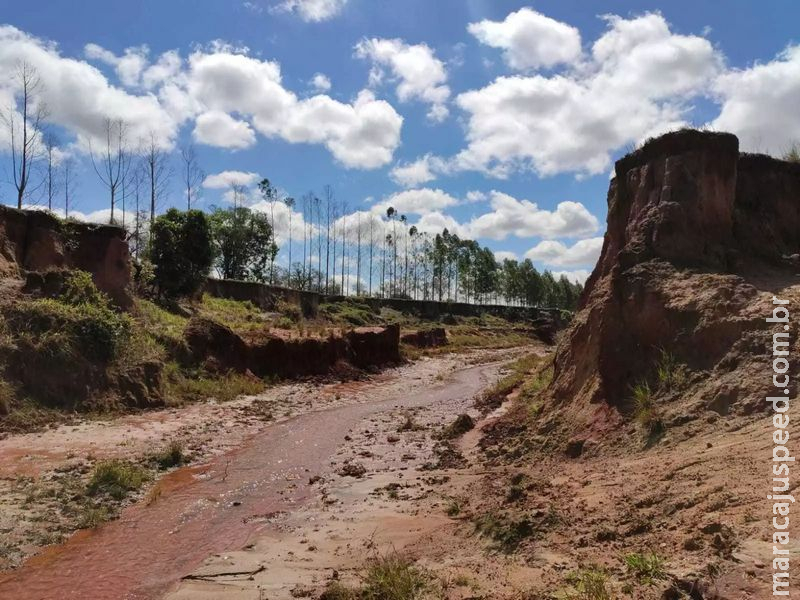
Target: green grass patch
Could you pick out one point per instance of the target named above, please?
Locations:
(349, 312)
(238, 315)
(116, 478)
(591, 583)
(647, 568)
(194, 386)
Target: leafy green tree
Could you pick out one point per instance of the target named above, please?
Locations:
(244, 243)
(181, 251)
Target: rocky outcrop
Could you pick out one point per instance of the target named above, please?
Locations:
(37, 242)
(426, 338)
(219, 349)
(699, 238)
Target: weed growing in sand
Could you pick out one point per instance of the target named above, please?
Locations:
(645, 410)
(337, 591)
(671, 374)
(116, 478)
(506, 531)
(91, 517)
(647, 568)
(394, 577)
(390, 577)
(590, 584)
(170, 456)
(453, 508)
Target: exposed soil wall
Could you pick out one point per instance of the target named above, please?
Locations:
(698, 239)
(35, 241)
(426, 338)
(218, 348)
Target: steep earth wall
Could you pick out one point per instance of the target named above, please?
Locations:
(36, 242)
(699, 238)
(218, 348)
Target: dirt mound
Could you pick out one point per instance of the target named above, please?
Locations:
(699, 239)
(218, 348)
(35, 241)
(426, 338)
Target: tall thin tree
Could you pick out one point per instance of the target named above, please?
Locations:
(24, 126)
(112, 164)
(191, 174)
(289, 202)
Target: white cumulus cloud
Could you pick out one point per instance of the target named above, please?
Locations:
(530, 40)
(637, 80)
(227, 179)
(523, 218)
(418, 73)
(759, 104)
(217, 128)
(554, 253)
(312, 10)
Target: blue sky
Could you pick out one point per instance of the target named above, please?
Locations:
(540, 98)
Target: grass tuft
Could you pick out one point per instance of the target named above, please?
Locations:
(116, 478)
(394, 577)
(591, 584)
(647, 568)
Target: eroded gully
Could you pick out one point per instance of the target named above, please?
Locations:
(215, 507)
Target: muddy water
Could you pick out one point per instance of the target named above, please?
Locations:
(212, 508)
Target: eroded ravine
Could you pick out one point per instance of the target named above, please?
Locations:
(213, 507)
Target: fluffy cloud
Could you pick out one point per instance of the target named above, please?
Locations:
(78, 95)
(312, 10)
(759, 104)
(227, 179)
(522, 218)
(363, 134)
(129, 66)
(501, 255)
(229, 93)
(217, 128)
(576, 276)
(436, 222)
(420, 171)
(554, 253)
(418, 201)
(418, 73)
(530, 40)
(636, 81)
(320, 82)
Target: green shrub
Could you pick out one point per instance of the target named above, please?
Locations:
(181, 250)
(793, 154)
(115, 478)
(79, 288)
